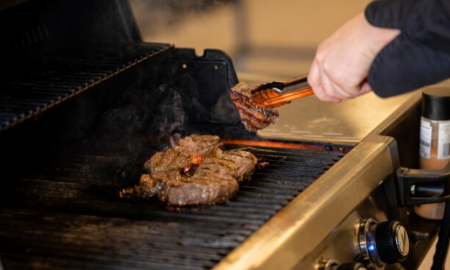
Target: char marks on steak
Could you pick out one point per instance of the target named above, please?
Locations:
(215, 179)
(197, 145)
(168, 165)
(238, 164)
(212, 188)
(253, 117)
(165, 166)
(199, 189)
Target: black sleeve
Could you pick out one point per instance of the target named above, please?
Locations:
(392, 13)
(420, 55)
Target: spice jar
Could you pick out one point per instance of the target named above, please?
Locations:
(434, 140)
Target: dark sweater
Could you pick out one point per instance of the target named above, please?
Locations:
(420, 55)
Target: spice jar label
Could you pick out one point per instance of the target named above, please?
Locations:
(425, 139)
(444, 141)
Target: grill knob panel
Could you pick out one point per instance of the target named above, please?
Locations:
(331, 264)
(392, 242)
(352, 266)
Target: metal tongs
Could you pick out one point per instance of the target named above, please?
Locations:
(277, 93)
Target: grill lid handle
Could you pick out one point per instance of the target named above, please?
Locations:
(423, 186)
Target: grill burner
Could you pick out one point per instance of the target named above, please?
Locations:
(64, 213)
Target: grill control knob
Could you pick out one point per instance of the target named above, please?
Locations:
(383, 243)
(392, 241)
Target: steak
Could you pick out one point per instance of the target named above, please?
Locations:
(212, 188)
(199, 189)
(238, 164)
(168, 165)
(197, 145)
(148, 187)
(195, 171)
(253, 117)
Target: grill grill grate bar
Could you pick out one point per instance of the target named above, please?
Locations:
(31, 85)
(70, 210)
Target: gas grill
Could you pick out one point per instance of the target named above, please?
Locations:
(83, 107)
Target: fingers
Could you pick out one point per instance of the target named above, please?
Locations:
(315, 81)
(330, 89)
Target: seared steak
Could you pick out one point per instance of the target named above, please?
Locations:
(168, 165)
(215, 180)
(252, 116)
(238, 164)
(199, 189)
(212, 188)
(197, 145)
(147, 187)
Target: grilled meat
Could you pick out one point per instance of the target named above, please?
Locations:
(215, 180)
(168, 165)
(238, 164)
(252, 116)
(147, 187)
(197, 145)
(211, 188)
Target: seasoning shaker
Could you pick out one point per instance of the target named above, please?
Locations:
(434, 140)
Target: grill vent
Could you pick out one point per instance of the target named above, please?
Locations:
(64, 215)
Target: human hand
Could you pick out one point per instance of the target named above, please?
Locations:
(341, 65)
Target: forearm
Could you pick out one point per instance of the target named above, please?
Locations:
(420, 55)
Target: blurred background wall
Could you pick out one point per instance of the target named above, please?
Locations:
(263, 37)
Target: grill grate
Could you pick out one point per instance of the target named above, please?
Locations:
(65, 215)
(33, 84)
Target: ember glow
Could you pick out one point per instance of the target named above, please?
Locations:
(197, 160)
(275, 144)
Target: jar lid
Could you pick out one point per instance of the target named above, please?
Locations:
(436, 103)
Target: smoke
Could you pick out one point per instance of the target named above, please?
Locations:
(170, 116)
(124, 121)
